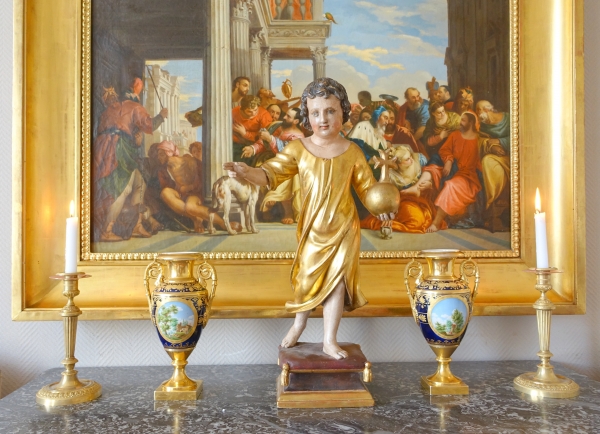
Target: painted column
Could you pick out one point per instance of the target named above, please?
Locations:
(164, 127)
(317, 10)
(240, 39)
(177, 111)
(175, 120)
(167, 100)
(256, 79)
(164, 96)
(265, 62)
(319, 55)
(172, 111)
(217, 132)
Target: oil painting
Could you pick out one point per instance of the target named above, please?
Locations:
(148, 109)
(414, 70)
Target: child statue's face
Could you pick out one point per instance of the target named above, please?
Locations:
(325, 116)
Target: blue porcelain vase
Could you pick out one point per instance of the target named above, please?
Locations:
(442, 305)
(180, 304)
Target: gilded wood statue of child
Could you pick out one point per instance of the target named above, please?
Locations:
(325, 269)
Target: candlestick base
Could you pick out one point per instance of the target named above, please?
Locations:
(546, 384)
(53, 394)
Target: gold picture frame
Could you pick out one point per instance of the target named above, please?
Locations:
(50, 105)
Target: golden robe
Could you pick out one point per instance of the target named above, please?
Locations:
(328, 230)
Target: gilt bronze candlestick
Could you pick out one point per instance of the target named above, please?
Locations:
(544, 382)
(69, 390)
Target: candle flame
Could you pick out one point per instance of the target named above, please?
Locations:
(538, 201)
(72, 208)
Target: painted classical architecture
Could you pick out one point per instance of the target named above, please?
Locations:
(267, 30)
(232, 37)
(247, 35)
(163, 90)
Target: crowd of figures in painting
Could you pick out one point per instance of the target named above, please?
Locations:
(451, 148)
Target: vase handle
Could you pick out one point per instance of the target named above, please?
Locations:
(206, 273)
(153, 272)
(469, 268)
(413, 270)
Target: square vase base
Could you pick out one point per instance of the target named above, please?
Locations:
(431, 388)
(178, 395)
(357, 396)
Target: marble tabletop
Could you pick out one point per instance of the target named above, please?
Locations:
(241, 399)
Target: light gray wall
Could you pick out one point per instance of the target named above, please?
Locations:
(29, 348)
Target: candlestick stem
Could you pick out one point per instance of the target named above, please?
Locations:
(544, 382)
(69, 390)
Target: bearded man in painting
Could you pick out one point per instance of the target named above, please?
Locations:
(370, 135)
(417, 112)
(397, 135)
(115, 166)
(241, 86)
(496, 151)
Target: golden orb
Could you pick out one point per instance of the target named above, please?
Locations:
(383, 198)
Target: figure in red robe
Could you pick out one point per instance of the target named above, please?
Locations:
(118, 182)
(458, 192)
(248, 121)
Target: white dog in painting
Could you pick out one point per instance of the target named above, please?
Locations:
(246, 194)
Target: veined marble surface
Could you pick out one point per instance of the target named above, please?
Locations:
(241, 399)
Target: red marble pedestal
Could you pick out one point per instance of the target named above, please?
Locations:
(311, 379)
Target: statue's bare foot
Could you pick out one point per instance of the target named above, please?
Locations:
(292, 336)
(334, 350)
(287, 221)
(432, 228)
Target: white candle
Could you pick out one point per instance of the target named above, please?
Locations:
(71, 242)
(541, 242)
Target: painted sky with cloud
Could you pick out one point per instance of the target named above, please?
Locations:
(382, 46)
